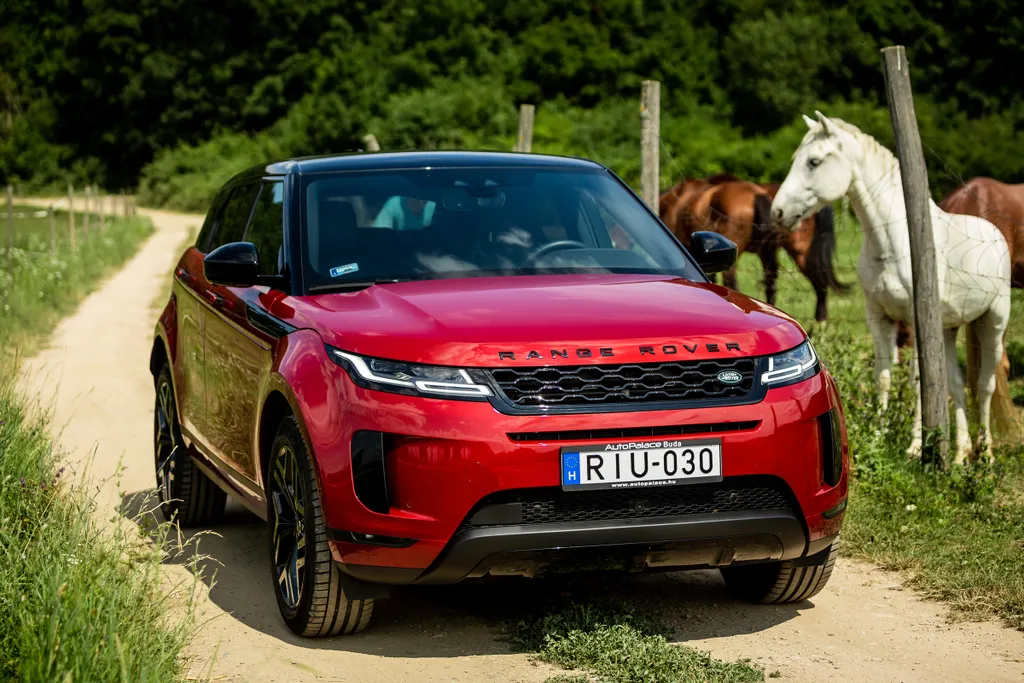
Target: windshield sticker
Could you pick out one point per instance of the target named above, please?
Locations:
(344, 270)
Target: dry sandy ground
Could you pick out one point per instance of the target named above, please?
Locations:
(863, 627)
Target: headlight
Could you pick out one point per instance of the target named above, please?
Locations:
(408, 378)
(791, 367)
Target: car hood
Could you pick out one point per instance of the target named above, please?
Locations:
(545, 320)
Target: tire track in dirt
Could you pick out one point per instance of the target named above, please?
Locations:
(862, 627)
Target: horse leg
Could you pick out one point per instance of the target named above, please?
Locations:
(956, 391)
(883, 331)
(914, 449)
(990, 329)
(821, 307)
(770, 263)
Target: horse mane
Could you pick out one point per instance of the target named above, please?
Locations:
(872, 147)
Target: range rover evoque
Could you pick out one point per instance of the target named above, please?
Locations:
(424, 368)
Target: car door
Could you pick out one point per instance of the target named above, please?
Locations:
(239, 353)
(191, 365)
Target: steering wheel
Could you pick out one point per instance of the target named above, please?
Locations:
(558, 245)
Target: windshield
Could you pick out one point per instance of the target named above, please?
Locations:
(472, 222)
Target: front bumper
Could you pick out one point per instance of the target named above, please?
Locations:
(450, 455)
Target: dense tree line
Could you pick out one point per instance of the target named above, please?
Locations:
(101, 88)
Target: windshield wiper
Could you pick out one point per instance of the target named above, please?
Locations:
(352, 286)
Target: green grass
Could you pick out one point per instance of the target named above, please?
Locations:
(958, 534)
(614, 644)
(77, 602)
(37, 288)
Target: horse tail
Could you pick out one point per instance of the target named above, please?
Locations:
(821, 256)
(762, 214)
(1005, 422)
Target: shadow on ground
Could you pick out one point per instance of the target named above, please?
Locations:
(465, 619)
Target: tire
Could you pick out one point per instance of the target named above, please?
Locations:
(775, 583)
(187, 496)
(306, 581)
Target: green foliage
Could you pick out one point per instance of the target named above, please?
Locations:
(100, 89)
(618, 645)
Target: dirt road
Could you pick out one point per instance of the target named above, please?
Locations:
(863, 627)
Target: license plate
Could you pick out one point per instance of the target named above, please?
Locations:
(641, 464)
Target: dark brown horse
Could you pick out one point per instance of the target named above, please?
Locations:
(740, 210)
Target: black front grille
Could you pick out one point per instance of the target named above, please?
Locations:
(547, 505)
(583, 385)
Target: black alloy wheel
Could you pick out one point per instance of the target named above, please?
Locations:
(187, 496)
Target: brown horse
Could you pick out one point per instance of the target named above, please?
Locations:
(740, 210)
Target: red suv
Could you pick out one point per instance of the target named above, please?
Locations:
(422, 368)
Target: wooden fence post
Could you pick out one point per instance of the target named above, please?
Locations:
(650, 128)
(524, 143)
(71, 216)
(86, 219)
(124, 203)
(370, 140)
(931, 357)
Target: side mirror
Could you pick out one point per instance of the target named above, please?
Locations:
(235, 264)
(713, 252)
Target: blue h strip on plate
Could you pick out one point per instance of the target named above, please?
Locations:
(570, 469)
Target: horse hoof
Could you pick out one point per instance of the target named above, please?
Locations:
(914, 450)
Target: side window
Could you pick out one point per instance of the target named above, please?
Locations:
(266, 229)
(235, 215)
(212, 220)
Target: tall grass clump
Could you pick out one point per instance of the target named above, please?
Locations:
(78, 601)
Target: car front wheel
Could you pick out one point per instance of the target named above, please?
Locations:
(307, 583)
(782, 582)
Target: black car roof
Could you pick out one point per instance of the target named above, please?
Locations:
(377, 161)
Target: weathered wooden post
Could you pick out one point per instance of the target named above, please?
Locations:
(650, 128)
(931, 358)
(524, 143)
(124, 203)
(370, 140)
(86, 219)
(71, 217)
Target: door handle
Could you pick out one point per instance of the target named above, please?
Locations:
(214, 298)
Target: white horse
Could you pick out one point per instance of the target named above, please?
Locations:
(836, 159)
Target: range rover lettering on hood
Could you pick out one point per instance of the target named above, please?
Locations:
(607, 352)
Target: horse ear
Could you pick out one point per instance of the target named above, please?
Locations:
(811, 123)
(826, 122)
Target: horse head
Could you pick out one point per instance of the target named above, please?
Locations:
(821, 173)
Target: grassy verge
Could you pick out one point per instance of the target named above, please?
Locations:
(959, 535)
(614, 644)
(37, 288)
(77, 602)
